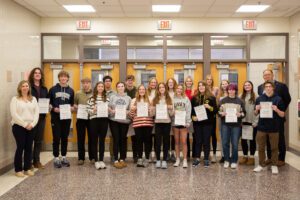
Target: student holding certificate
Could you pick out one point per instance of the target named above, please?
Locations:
(215, 91)
(141, 112)
(82, 122)
(61, 100)
(171, 85)
(249, 123)
(40, 92)
(180, 123)
(24, 111)
(98, 123)
(204, 108)
(231, 111)
(269, 127)
(119, 108)
(163, 112)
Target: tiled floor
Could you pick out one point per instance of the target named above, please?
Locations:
(85, 182)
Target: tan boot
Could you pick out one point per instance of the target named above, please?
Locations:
(243, 160)
(250, 161)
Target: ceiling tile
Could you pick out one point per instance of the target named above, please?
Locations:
(223, 9)
(197, 2)
(245, 14)
(194, 8)
(111, 14)
(195, 14)
(137, 9)
(143, 14)
(228, 2)
(166, 2)
(43, 2)
(104, 2)
(72, 2)
(106, 9)
(135, 2)
(213, 14)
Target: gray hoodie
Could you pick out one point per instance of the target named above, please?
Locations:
(183, 104)
(120, 100)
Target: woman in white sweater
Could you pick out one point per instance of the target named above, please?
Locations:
(25, 115)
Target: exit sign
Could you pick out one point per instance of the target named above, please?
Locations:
(83, 25)
(164, 25)
(249, 25)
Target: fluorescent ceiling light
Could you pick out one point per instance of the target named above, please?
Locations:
(107, 36)
(160, 36)
(166, 8)
(219, 36)
(79, 8)
(252, 8)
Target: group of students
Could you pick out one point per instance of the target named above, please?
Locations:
(161, 115)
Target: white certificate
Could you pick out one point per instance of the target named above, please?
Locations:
(120, 112)
(230, 116)
(142, 109)
(180, 118)
(161, 111)
(266, 110)
(102, 109)
(82, 112)
(44, 105)
(247, 132)
(65, 111)
(200, 113)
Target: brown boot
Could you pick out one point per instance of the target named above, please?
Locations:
(250, 161)
(38, 165)
(267, 162)
(118, 165)
(123, 164)
(280, 163)
(243, 160)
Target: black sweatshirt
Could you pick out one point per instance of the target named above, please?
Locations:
(210, 113)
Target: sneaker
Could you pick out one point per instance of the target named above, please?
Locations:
(206, 163)
(244, 160)
(185, 164)
(65, 162)
(259, 168)
(250, 161)
(139, 163)
(31, 173)
(164, 164)
(274, 169)
(81, 162)
(196, 162)
(57, 163)
(173, 158)
(177, 163)
(222, 160)
(233, 165)
(97, 165)
(146, 163)
(102, 165)
(20, 174)
(214, 158)
(38, 165)
(226, 164)
(158, 164)
(280, 163)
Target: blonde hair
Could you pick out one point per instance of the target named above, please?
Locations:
(149, 89)
(138, 97)
(183, 91)
(19, 90)
(157, 95)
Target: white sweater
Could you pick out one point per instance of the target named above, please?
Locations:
(24, 113)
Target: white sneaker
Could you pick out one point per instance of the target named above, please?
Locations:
(258, 168)
(102, 165)
(233, 166)
(158, 164)
(214, 158)
(226, 164)
(177, 163)
(274, 169)
(164, 164)
(97, 165)
(185, 164)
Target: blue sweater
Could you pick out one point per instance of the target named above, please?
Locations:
(61, 95)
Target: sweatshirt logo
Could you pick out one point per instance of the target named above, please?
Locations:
(179, 106)
(62, 95)
(120, 102)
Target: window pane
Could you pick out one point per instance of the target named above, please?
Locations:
(267, 47)
(178, 53)
(227, 53)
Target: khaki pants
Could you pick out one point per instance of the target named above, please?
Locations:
(261, 139)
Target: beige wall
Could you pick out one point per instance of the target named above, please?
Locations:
(19, 52)
(294, 123)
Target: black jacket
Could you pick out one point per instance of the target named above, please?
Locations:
(281, 90)
(210, 113)
(42, 94)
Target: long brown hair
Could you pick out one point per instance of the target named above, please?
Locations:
(207, 92)
(149, 89)
(212, 81)
(157, 95)
(183, 90)
(174, 84)
(221, 93)
(138, 97)
(95, 92)
(31, 77)
(19, 90)
(252, 94)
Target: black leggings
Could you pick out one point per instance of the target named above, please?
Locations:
(143, 137)
(98, 129)
(214, 135)
(162, 134)
(252, 144)
(119, 134)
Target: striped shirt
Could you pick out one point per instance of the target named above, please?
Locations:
(140, 121)
(91, 103)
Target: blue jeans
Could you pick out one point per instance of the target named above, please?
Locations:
(230, 134)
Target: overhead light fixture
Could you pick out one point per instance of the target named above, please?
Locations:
(79, 8)
(166, 8)
(107, 36)
(219, 36)
(160, 36)
(252, 8)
